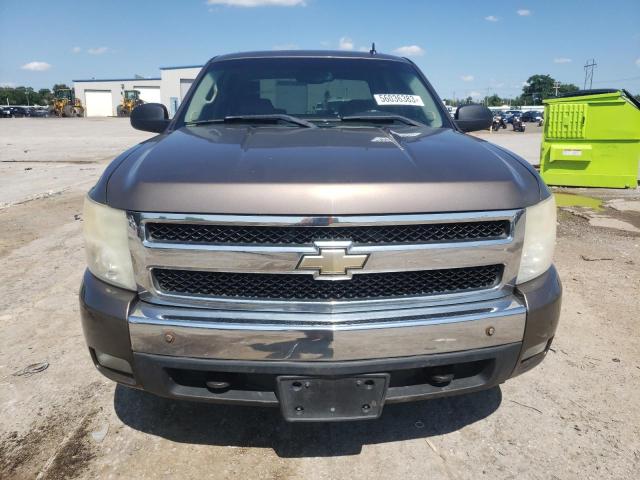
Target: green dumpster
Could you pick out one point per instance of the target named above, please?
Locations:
(591, 139)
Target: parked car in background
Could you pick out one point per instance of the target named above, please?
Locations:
(17, 112)
(39, 112)
(509, 114)
(5, 112)
(531, 116)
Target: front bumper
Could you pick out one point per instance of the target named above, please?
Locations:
(259, 336)
(174, 352)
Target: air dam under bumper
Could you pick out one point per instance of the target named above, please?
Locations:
(174, 352)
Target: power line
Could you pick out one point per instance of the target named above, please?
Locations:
(588, 73)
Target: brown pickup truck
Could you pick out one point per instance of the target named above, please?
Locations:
(312, 230)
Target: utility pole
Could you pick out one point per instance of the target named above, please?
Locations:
(533, 96)
(556, 86)
(588, 73)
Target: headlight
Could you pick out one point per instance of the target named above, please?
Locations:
(107, 245)
(539, 240)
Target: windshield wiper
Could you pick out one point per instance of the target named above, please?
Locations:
(275, 117)
(382, 118)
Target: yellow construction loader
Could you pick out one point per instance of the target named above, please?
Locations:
(130, 100)
(65, 104)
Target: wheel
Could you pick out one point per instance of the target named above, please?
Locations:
(68, 111)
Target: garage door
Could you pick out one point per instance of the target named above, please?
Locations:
(99, 103)
(149, 94)
(185, 84)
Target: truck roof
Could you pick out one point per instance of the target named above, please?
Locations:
(308, 54)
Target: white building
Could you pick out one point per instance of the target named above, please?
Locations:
(175, 83)
(101, 97)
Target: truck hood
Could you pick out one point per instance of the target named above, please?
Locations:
(235, 169)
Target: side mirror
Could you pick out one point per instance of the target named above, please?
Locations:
(470, 118)
(150, 117)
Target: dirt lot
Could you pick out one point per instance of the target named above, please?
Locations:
(576, 416)
(526, 144)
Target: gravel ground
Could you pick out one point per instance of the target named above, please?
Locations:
(526, 144)
(46, 156)
(575, 416)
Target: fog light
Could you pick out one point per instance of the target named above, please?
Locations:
(113, 363)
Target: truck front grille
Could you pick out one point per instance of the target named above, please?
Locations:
(192, 233)
(305, 288)
(245, 262)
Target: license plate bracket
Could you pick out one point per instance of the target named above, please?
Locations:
(321, 399)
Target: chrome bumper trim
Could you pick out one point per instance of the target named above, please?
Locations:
(231, 335)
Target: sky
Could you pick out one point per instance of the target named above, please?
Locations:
(465, 48)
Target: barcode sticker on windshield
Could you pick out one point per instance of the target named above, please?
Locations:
(398, 99)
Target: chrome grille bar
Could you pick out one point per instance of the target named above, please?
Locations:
(284, 259)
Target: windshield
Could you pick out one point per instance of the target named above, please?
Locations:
(320, 90)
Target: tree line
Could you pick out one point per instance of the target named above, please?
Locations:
(28, 96)
(535, 90)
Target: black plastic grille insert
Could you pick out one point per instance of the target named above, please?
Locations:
(371, 234)
(269, 286)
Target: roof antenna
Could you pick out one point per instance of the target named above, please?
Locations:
(373, 49)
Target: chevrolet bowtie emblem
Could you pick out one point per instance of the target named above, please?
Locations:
(332, 261)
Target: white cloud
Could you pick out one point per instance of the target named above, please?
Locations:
(523, 12)
(286, 46)
(345, 43)
(7, 84)
(97, 50)
(491, 18)
(36, 66)
(258, 3)
(561, 60)
(466, 78)
(474, 94)
(76, 49)
(409, 51)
